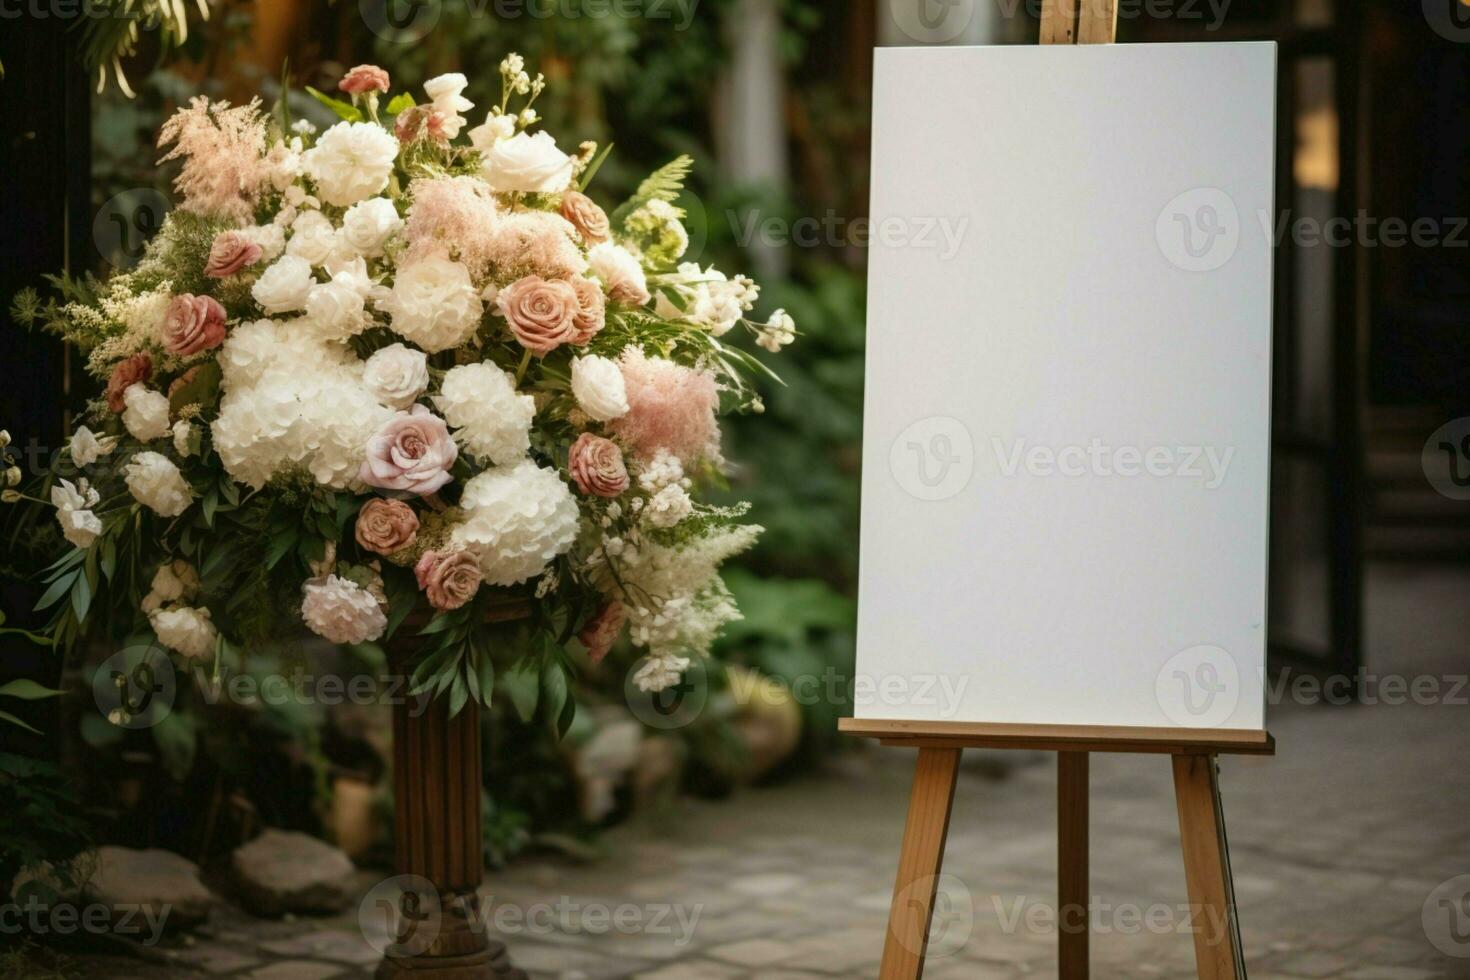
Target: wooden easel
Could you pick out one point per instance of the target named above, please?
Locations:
(1194, 753)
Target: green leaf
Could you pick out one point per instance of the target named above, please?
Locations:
(554, 690)
(524, 690)
(177, 743)
(459, 693)
(664, 184)
(487, 678)
(344, 110)
(399, 102)
(594, 166)
(7, 716)
(202, 389)
(58, 589)
(27, 690)
(210, 504)
(109, 557)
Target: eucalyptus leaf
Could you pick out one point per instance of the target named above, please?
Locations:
(27, 690)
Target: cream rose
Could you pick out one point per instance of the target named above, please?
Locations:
(396, 375)
(341, 611)
(313, 238)
(621, 275)
(367, 225)
(184, 630)
(350, 162)
(527, 163)
(599, 387)
(157, 484)
(145, 413)
(284, 285)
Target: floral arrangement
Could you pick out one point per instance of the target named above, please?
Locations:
(405, 363)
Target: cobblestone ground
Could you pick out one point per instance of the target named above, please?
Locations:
(1339, 844)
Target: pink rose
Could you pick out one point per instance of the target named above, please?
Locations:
(602, 630)
(449, 579)
(412, 453)
(596, 464)
(125, 374)
(419, 120)
(364, 78)
(541, 314)
(592, 310)
(231, 252)
(193, 324)
(386, 526)
(586, 217)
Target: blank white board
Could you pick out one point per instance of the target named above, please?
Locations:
(1067, 419)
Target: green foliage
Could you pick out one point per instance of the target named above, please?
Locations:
(664, 184)
(41, 819)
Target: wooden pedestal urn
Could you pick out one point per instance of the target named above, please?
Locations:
(438, 847)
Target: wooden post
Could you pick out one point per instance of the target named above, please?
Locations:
(1202, 836)
(437, 831)
(918, 864)
(1073, 900)
(1079, 21)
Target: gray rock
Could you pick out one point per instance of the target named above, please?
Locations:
(282, 872)
(151, 885)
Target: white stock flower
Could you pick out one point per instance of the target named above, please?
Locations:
(284, 285)
(86, 448)
(351, 161)
(146, 413)
(434, 303)
(74, 503)
(185, 630)
(494, 422)
(156, 483)
(445, 92)
(598, 386)
(527, 163)
(711, 298)
(397, 375)
(368, 224)
(313, 238)
(341, 611)
(778, 333)
(517, 520)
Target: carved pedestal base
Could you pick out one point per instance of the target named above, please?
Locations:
(442, 934)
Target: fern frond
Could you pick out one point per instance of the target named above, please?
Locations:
(664, 184)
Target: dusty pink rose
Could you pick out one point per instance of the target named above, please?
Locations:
(364, 78)
(542, 314)
(125, 374)
(592, 309)
(602, 630)
(386, 526)
(231, 252)
(412, 453)
(596, 465)
(449, 579)
(193, 324)
(586, 217)
(419, 120)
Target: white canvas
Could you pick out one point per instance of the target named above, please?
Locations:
(1067, 421)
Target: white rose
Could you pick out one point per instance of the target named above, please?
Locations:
(434, 303)
(284, 285)
(146, 413)
(157, 484)
(73, 503)
(397, 375)
(86, 448)
(493, 130)
(368, 224)
(444, 91)
(527, 163)
(341, 611)
(351, 161)
(623, 279)
(184, 630)
(173, 582)
(271, 239)
(313, 238)
(597, 384)
(336, 308)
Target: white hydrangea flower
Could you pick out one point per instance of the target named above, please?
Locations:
(517, 520)
(434, 303)
(598, 386)
(396, 375)
(146, 413)
(74, 503)
(341, 611)
(351, 161)
(493, 421)
(284, 285)
(368, 225)
(528, 163)
(156, 483)
(185, 630)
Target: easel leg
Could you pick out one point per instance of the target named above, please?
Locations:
(1073, 902)
(1201, 833)
(919, 863)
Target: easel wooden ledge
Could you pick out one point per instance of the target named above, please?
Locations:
(1194, 751)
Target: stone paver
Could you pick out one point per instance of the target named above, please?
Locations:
(1336, 844)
